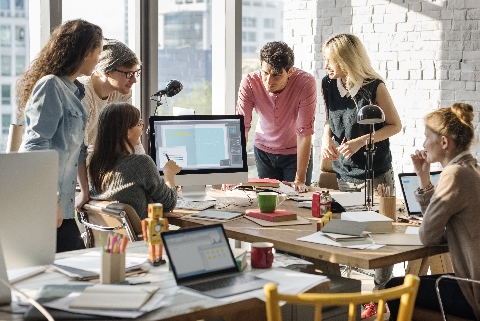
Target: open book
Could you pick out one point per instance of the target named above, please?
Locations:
(114, 297)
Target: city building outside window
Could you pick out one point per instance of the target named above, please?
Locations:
(6, 97)
(20, 64)
(269, 36)
(5, 4)
(269, 23)
(20, 36)
(6, 121)
(6, 62)
(249, 22)
(5, 36)
(19, 4)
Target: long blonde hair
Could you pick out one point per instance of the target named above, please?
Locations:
(349, 53)
(454, 122)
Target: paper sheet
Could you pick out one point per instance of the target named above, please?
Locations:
(397, 239)
(412, 229)
(349, 198)
(320, 238)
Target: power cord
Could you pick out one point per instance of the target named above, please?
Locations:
(40, 308)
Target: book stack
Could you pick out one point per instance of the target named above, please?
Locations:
(240, 258)
(277, 216)
(377, 223)
(262, 182)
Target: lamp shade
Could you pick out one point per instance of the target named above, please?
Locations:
(370, 114)
(172, 88)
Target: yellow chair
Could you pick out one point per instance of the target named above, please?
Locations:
(407, 292)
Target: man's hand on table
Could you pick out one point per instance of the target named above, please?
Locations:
(299, 187)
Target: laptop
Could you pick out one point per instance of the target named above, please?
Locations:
(409, 183)
(202, 260)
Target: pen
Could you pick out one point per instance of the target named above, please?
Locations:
(166, 155)
(344, 139)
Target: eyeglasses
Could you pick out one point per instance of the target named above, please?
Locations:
(140, 123)
(130, 74)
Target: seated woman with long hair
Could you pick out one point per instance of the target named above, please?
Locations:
(116, 173)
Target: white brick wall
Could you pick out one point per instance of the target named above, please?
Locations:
(428, 52)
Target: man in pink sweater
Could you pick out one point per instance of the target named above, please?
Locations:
(284, 97)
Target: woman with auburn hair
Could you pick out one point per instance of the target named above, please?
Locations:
(50, 98)
(350, 84)
(118, 174)
(450, 211)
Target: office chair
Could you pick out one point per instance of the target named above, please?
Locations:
(102, 217)
(407, 293)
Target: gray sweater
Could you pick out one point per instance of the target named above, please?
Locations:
(137, 182)
(451, 213)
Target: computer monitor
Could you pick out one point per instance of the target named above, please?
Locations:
(211, 149)
(28, 211)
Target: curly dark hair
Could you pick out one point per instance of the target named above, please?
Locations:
(63, 55)
(278, 55)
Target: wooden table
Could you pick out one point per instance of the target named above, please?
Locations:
(182, 308)
(326, 258)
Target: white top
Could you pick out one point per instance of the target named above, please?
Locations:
(94, 104)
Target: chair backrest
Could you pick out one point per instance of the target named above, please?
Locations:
(407, 292)
(103, 217)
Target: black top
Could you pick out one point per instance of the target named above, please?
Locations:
(342, 117)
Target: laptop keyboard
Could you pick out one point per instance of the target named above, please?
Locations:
(223, 282)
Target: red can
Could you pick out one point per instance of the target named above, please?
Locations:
(316, 204)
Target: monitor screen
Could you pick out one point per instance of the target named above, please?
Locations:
(211, 149)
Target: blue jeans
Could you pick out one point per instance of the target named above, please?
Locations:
(281, 167)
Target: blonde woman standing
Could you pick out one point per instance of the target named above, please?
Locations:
(352, 83)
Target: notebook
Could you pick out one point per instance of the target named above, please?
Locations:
(409, 183)
(202, 260)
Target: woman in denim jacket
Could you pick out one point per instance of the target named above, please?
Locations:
(49, 97)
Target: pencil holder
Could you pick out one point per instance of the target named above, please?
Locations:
(388, 207)
(113, 268)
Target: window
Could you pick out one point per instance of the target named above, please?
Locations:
(249, 22)
(185, 54)
(245, 3)
(249, 36)
(271, 4)
(268, 23)
(5, 4)
(269, 35)
(6, 62)
(5, 36)
(19, 5)
(20, 36)
(257, 4)
(6, 98)
(6, 121)
(19, 64)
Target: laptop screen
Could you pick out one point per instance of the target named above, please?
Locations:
(409, 183)
(198, 251)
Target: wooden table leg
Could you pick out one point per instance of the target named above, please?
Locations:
(440, 264)
(327, 267)
(417, 267)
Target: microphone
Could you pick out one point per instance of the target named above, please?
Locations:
(172, 88)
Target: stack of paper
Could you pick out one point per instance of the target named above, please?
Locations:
(113, 297)
(378, 223)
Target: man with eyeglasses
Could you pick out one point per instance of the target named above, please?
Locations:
(117, 71)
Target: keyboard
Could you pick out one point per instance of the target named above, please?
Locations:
(222, 282)
(196, 206)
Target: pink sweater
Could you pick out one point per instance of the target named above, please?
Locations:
(282, 116)
(451, 213)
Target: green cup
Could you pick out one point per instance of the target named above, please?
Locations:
(267, 201)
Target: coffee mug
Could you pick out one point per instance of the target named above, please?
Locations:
(268, 201)
(262, 255)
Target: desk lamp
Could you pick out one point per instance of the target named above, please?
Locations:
(370, 115)
(172, 88)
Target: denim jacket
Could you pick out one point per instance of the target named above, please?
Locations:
(55, 119)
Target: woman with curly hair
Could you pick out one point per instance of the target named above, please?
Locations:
(50, 98)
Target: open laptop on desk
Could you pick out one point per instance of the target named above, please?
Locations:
(409, 183)
(202, 260)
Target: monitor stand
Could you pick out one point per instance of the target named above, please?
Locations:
(5, 293)
(195, 193)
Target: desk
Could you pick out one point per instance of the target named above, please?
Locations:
(184, 307)
(326, 258)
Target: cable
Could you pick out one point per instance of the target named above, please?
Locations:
(40, 308)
